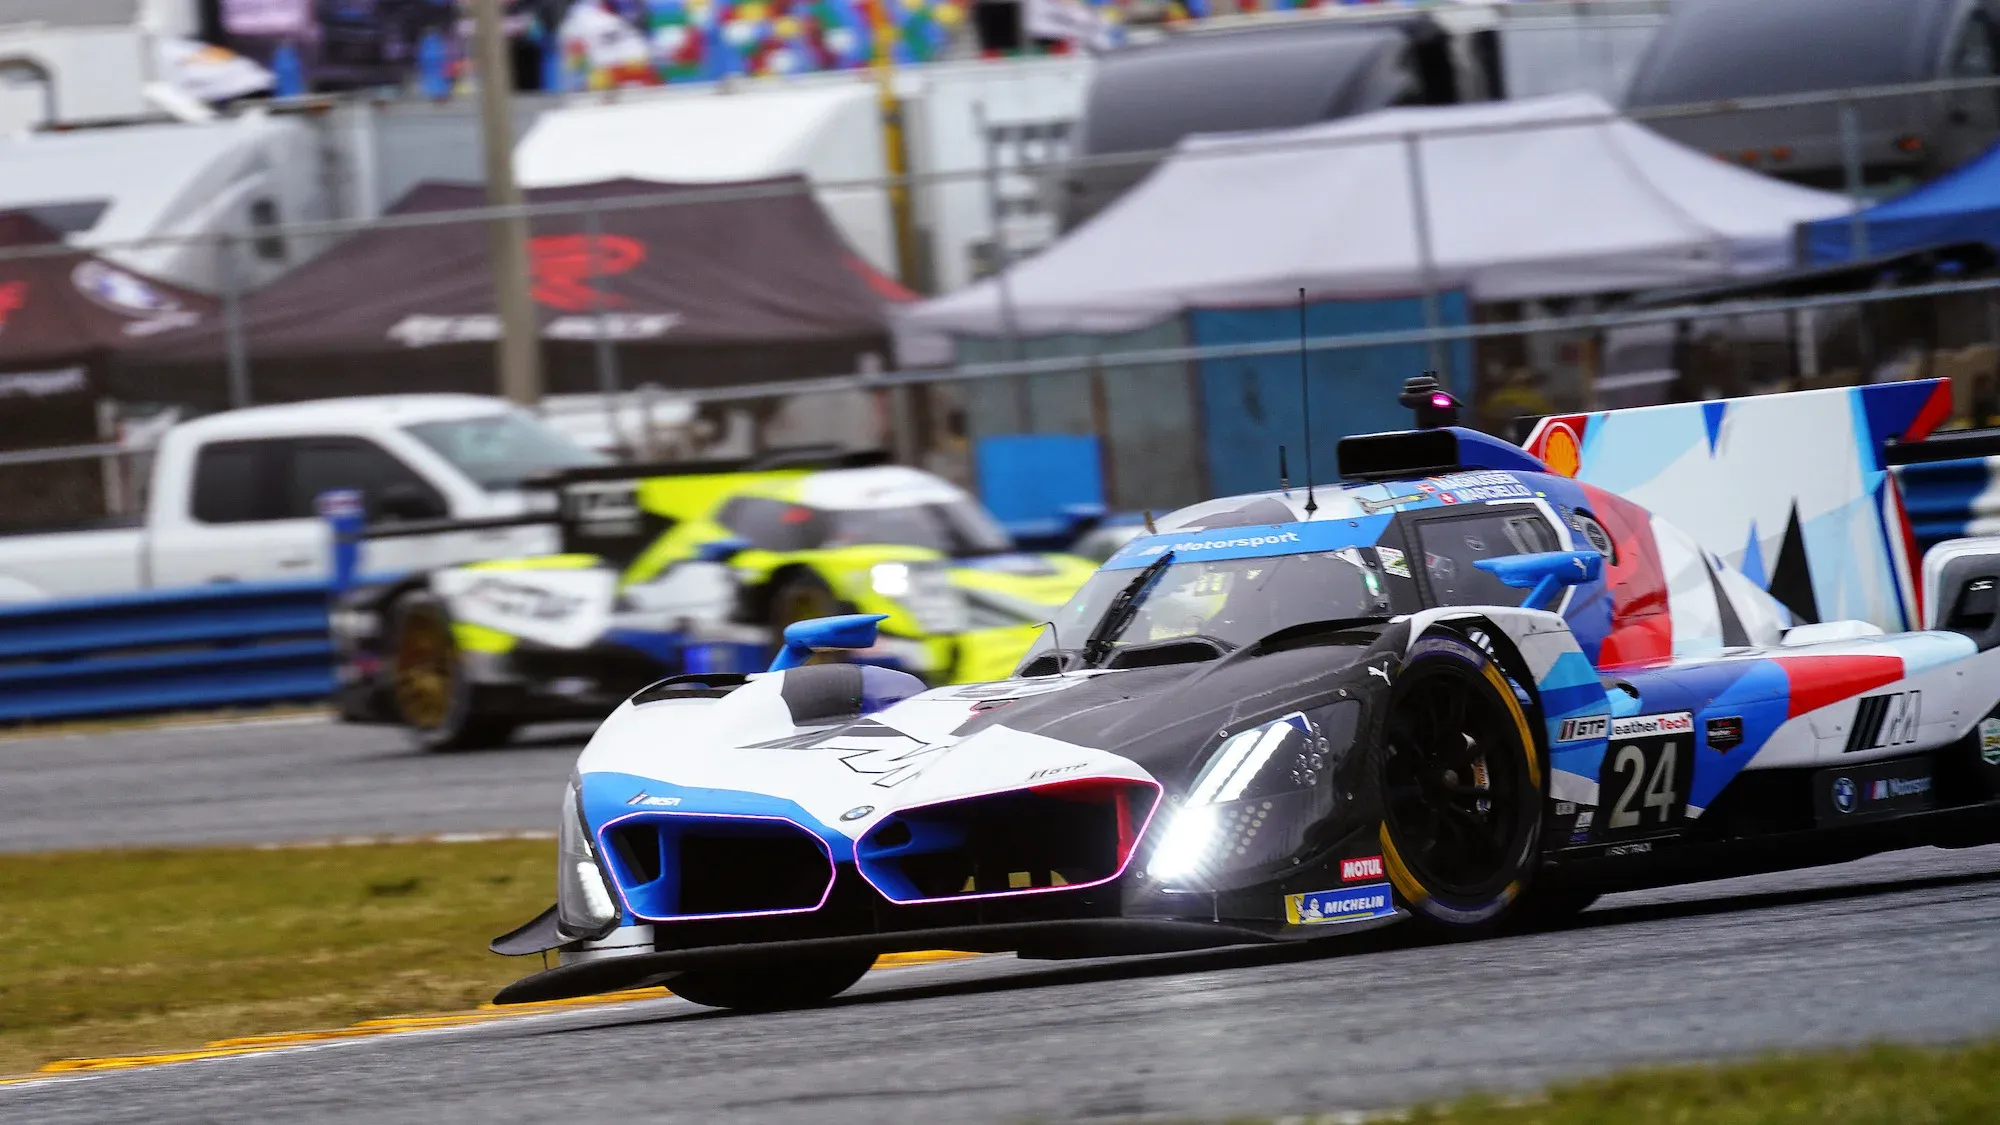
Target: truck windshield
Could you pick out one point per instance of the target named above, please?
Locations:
(1235, 602)
(500, 451)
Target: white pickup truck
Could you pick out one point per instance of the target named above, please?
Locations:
(232, 495)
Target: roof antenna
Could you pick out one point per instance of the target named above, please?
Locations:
(1150, 529)
(1305, 406)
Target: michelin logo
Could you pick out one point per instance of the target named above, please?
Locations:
(1223, 544)
(1355, 904)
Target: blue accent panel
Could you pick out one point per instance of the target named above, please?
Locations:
(607, 796)
(1624, 706)
(1250, 405)
(1762, 698)
(1571, 688)
(822, 634)
(1752, 565)
(722, 550)
(1711, 417)
(1886, 410)
(665, 648)
(1034, 478)
(1252, 542)
(1484, 451)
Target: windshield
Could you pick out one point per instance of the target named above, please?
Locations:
(1235, 602)
(958, 528)
(500, 451)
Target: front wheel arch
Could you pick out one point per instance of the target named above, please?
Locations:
(1457, 661)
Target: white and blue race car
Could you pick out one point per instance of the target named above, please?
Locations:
(1460, 689)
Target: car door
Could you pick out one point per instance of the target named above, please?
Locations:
(250, 512)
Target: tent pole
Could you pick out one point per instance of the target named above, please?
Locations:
(518, 353)
(238, 359)
(1003, 259)
(1420, 217)
(1850, 158)
(606, 351)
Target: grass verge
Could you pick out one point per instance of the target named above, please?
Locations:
(1877, 1086)
(125, 952)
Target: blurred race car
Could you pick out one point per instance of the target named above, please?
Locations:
(1458, 689)
(688, 568)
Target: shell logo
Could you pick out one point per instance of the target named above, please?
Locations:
(1560, 451)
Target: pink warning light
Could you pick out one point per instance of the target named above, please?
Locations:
(1441, 401)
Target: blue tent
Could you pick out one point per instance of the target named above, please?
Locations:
(1960, 206)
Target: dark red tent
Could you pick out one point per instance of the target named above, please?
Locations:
(63, 317)
(697, 294)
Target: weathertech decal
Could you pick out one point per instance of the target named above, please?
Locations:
(1589, 726)
(1639, 726)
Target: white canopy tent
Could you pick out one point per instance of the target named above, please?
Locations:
(830, 132)
(1553, 196)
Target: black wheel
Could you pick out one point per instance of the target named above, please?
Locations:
(802, 596)
(1462, 788)
(766, 988)
(432, 692)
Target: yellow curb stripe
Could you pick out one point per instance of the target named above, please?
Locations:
(390, 1025)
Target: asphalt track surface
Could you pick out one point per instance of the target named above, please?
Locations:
(1901, 947)
(270, 782)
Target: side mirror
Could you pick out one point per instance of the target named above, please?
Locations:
(1545, 574)
(826, 634)
(721, 550)
(405, 501)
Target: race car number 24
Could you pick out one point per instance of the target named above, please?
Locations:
(1644, 786)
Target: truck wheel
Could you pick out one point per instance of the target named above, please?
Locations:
(432, 691)
(1462, 789)
(767, 988)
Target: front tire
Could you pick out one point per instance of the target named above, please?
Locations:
(769, 988)
(431, 688)
(1462, 789)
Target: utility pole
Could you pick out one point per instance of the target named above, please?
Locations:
(519, 353)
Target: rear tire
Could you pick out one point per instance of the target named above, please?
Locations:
(430, 688)
(770, 988)
(1462, 789)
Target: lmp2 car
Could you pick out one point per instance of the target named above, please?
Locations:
(1456, 689)
(671, 568)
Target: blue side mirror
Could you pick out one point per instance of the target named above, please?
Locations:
(1545, 574)
(721, 550)
(826, 634)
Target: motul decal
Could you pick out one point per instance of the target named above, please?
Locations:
(1367, 867)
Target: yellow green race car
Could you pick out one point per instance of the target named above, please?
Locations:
(697, 569)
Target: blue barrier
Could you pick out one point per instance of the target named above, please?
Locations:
(1943, 498)
(159, 650)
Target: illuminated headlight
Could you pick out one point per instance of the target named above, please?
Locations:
(891, 580)
(354, 623)
(584, 906)
(1255, 798)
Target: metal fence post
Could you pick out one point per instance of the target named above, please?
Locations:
(238, 358)
(1003, 258)
(1850, 158)
(1420, 217)
(606, 352)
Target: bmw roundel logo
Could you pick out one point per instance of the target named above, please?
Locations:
(857, 813)
(1843, 794)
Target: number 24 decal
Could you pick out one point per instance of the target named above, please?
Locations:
(1651, 794)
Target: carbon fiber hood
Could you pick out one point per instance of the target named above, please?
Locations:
(1166, 718)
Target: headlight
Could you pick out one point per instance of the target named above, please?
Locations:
(1254, 800)
(891, 580)
(584, 906)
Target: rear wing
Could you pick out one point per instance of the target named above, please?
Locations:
(596, 507)
(1795, 490)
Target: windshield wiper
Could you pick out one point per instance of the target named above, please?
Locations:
(1123, 608)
